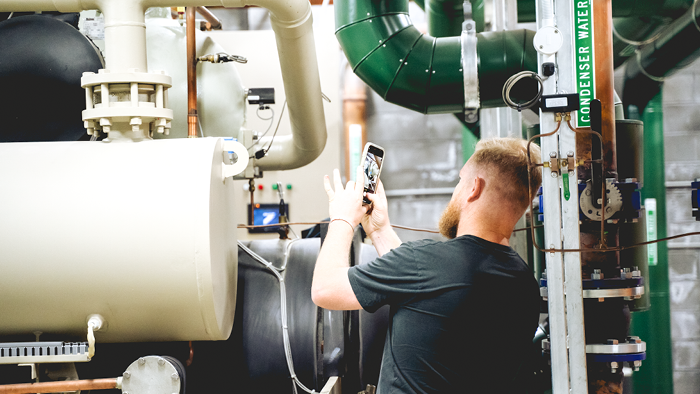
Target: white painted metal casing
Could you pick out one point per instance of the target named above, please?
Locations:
(140, 233)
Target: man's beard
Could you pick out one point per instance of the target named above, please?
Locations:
(449, 221)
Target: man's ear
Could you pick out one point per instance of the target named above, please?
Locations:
(477, 189)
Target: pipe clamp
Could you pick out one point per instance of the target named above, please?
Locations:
(470, 69)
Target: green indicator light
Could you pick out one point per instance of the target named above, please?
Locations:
(289, 186)
(567, 193)
(274, 186)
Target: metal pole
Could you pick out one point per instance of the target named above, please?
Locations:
(566, 81)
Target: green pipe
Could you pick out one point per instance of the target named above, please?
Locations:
(421, 72)
(445, 17)
(654, 325)
(621, 8)
(675, 48)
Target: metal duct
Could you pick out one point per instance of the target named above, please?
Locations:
(421, 72)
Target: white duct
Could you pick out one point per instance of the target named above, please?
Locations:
(125, 40)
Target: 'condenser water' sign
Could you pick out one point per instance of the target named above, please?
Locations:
(583, 35)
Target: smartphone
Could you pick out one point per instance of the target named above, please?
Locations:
(374, 157)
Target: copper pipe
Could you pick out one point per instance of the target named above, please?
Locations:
(58, 387)
(604, 84)
(610, 319)
(191, 74)
(211, 18)
(191, 358)
(354, 112)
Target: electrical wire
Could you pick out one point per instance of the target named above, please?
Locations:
(393, 225)
(277, 127)
(283, 312)
(601, 249)
(271, 119)
(515, 79)
(324, 222)
(10, 16)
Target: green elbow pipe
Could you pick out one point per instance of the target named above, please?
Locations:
(620, 8)
(445, 17)
(421, 72)
(676, 47)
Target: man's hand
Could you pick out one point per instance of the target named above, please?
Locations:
(376, 223)
(377, 217)
(346, 203)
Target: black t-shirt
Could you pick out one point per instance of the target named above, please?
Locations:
(463, 315)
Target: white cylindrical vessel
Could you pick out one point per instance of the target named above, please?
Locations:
(141, 233)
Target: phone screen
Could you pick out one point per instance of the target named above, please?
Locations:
(372, 166)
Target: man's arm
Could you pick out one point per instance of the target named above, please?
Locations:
(331, 288)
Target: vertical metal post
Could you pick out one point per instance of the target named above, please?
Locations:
(566, 82)
(552, 240)
(567, 332)
(502, 121)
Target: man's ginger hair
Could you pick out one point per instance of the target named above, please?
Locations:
(506, 161)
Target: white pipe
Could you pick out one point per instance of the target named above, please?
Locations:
(291, 20)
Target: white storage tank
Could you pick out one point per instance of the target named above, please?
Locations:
(141, 233)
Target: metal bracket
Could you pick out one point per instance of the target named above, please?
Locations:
(470, 72)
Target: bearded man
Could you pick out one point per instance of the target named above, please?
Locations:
(463, 311)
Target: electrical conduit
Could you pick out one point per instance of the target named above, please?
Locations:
(125, 38)
(676, 47)
(421, 72)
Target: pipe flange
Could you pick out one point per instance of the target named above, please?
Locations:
(151, 374)
(136, 99)
(629, 293)
(633, 345)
